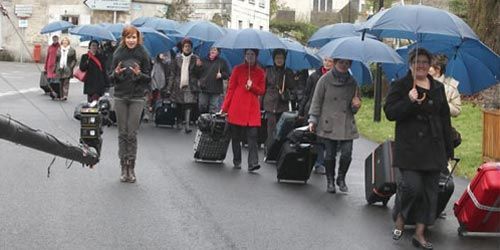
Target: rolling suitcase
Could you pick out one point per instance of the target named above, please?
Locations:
(284, 126)
(297, 156)
(478, 209)
(165, 113)
(380, 176)
(44, 82)
(211, 140)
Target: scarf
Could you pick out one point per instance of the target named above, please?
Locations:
(341, 77)
(64, 57)
(95, 60)
(185, 70)
(323, 70)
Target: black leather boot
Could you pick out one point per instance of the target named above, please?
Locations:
(330, 176)
(187, 118)
(124, 175)
(344, 164)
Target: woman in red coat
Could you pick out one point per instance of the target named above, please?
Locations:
(242, 106)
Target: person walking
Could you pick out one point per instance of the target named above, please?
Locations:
(438, 71)
(96, 80)
(331, 116)
(279, 85)
(242, 106)
(65, 62)
(305, 104)
(159, 76)
(418, 105)
(131, 76)
(183, 82)
(50, 63)
(215, 70)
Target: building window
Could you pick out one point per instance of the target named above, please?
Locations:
(261, 27)
(329, 5)
(322, 5)
(315, 5)
(71, 19)
(250, 25)
(262, 3)
(251, 1)
(240, 24)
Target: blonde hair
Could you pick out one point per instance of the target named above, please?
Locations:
(65, 38)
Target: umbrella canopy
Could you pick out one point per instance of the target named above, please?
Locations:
(203, 31)
(331, 32)
(116, 29)
(366, 51)
(297, 56)
(92, 31)
(472, 64)
(411, 21)
(164, 25)
(138, 22)
(155, 42)
(250, 39)
(56, 26)
(361, 72)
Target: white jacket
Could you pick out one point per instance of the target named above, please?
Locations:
(452, 95)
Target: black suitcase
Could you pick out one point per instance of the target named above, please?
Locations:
(297, 156)
(44, 82)
(165, 113)
(211, 140)
(380, 176)
(284, 126)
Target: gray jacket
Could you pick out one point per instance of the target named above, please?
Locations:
(331, 108)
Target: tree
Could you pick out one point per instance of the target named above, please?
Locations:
(459, 8)
(179, 10)
(299, 30)
(484, 20)
(274, 6)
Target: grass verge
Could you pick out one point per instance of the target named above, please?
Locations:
(469, 123)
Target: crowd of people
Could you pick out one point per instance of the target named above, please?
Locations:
(326, 100)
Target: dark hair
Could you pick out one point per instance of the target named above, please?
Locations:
(93, 41)
(440, 60)
(128, 31)
(256, 51)
(279, 52)
(335, 60)
(186, 40)
(421, 52)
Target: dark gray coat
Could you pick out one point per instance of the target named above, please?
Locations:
(274, 79)
(422, 140)
(331, 108)
(208, 81)
(305, 103)
(187, 95)
(127, 84)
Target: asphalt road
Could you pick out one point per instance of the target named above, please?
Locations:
(177, 203)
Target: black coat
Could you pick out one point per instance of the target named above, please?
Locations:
(127, 84)
(96, 80)
(305, 103)
(208, 81)
(274, 102)
(423, 140)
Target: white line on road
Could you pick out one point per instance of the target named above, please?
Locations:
(9, 93)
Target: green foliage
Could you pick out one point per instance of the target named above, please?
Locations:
(274, 6)
(459, 8)
(299, 30)
(178, 10)
(469, 123)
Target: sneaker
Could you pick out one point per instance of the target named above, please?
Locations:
(319, 169)
(253, 168)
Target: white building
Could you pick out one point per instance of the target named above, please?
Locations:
(304, 8)
(238, 14)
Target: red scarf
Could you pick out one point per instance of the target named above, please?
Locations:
(324, 70)
(95, 60)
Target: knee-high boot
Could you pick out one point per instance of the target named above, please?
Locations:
(330, 176)
(344, 164)
(187, 118)
(124, 166)
(131, 171)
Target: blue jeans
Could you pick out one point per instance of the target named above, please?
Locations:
(208, 103)
(345, 148)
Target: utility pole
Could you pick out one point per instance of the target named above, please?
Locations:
(378, 83)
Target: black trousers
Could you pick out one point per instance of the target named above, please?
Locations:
(416, 196)
(237, 133)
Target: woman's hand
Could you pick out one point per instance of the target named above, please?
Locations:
(136, 69)
(356, 102)
(249, 84)
(119, 69)
(413, 95)
(312, 127)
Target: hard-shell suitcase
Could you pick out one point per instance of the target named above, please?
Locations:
(297, 156)
(165, 113)
(478, 209)
(284, 126)
(380, 176)
(212, 140)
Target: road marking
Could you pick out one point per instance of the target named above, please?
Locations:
(9, 93)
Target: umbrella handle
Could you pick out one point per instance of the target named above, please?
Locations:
(423, 95)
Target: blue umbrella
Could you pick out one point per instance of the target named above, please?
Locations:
(413, 21)
(297, 57)
(138, 22)
(472, 64)
(116, 29)
(366, 51)
(92, 31)
(330, 32)
(361, 72)
(203, 31)
(56, 26)
(155, 42)
(250, 39)
(164, 25)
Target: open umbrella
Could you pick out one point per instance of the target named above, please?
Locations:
(366, 51)
(472, 64)
(116, 29)
(155, 42)
(250, 39)
(164, 25)
(297, 56)
(138, 22)
(330, 32)
(92, 31)
(203, 31)
(56, 26)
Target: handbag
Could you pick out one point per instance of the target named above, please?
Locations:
(456, 137)
(79, 74)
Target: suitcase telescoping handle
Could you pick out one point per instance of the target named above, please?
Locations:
(456, 160)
